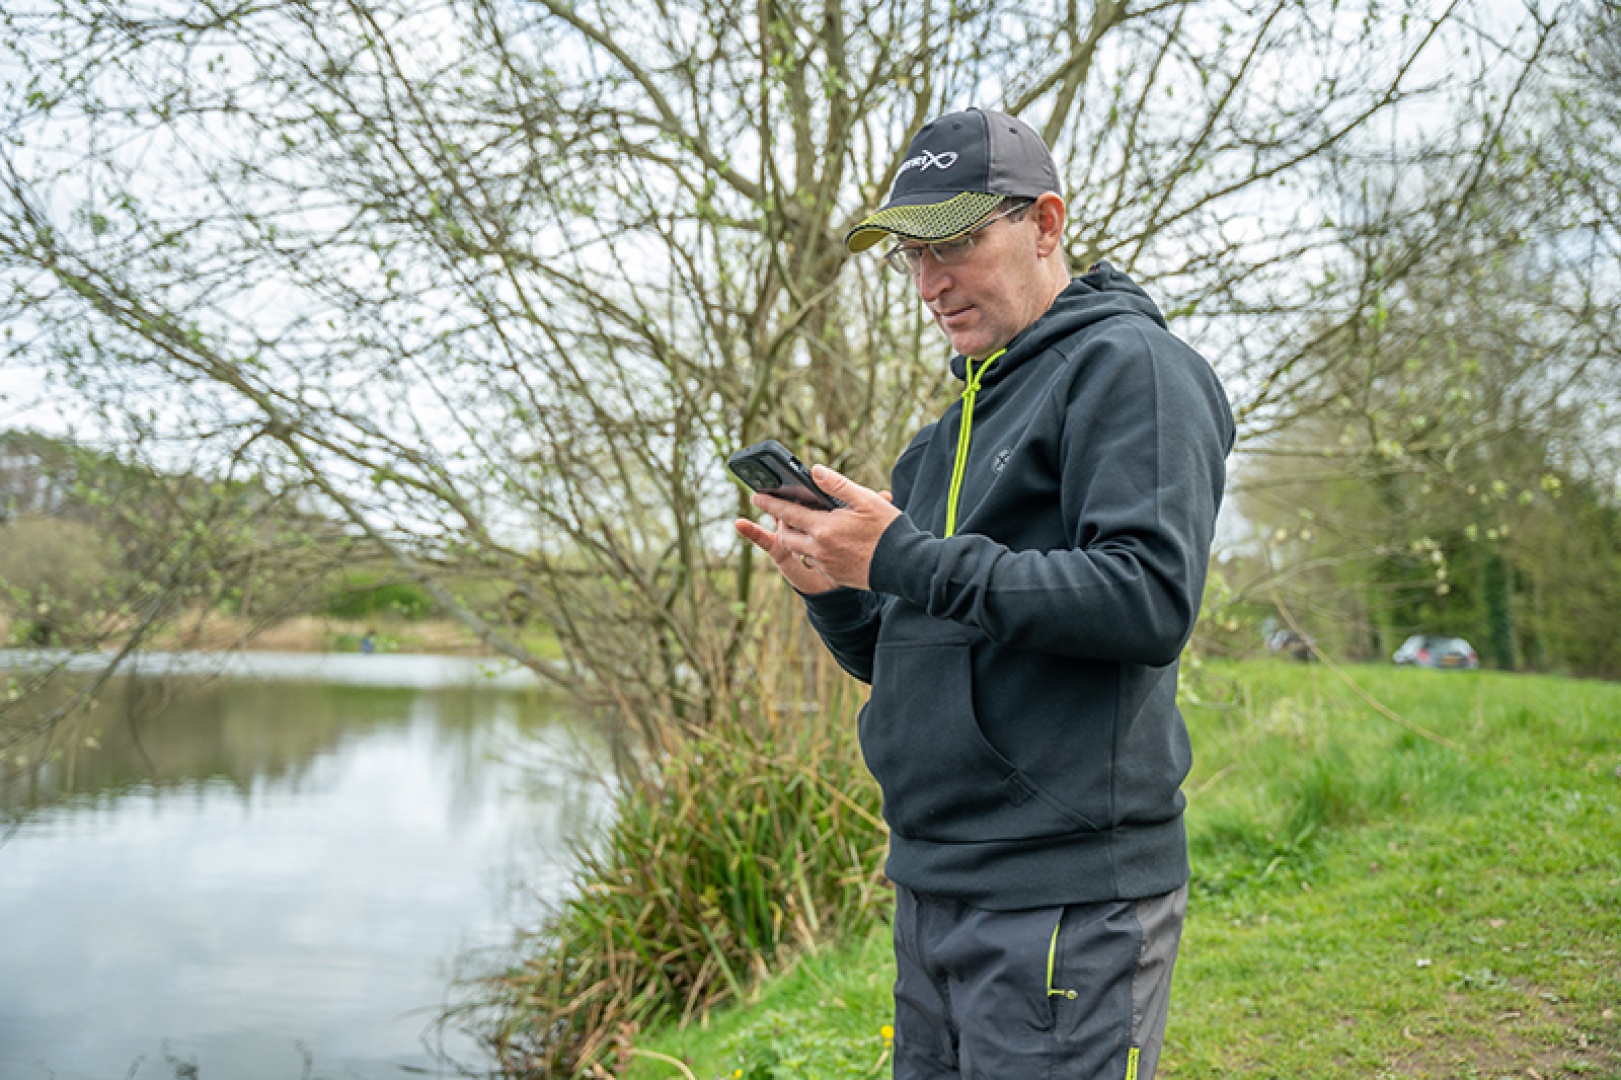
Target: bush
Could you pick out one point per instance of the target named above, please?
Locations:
(55, 573)
(755, 837)
(364, 600)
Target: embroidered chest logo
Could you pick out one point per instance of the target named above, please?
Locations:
(1002, 456)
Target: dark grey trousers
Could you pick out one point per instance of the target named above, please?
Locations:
(1078, 992)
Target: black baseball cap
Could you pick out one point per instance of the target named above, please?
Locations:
(956, 172)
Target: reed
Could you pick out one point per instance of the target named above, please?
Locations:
(751, 840)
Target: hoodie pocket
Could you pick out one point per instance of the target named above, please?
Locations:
(941, 777)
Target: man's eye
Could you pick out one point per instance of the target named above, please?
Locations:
(951, 249)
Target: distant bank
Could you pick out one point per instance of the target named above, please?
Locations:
(219, 632)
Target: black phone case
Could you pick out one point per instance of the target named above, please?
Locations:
(769, 467)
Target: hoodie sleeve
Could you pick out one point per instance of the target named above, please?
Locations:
(847, 621)
(1142, 456)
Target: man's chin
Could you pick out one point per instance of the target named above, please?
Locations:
(968, 343)
(974, 346)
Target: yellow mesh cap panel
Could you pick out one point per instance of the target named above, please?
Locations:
(929, 222)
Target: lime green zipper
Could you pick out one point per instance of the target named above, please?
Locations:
(1052, 956)
(964, 433)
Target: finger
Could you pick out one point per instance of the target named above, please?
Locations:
(761, 538)
(784, 558)
(788, 514)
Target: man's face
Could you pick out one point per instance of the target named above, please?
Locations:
(983, 302)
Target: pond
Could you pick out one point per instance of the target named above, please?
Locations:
(279, 870)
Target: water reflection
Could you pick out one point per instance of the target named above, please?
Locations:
(240, 872)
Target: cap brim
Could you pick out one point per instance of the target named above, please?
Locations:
(928, 222)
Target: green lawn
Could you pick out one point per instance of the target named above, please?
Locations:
(1426, 887)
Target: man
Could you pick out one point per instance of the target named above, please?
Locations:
(1019, 608)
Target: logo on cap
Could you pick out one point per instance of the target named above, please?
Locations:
(926, 161)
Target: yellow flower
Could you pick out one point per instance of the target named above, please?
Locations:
(887, 1032)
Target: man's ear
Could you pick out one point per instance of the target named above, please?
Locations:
(1049, 215)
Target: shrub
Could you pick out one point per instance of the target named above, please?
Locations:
(365, 600)
(754, 838)
(55, 574)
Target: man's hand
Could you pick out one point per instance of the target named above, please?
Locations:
(819, 549)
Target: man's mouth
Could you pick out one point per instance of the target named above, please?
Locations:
(954, 316)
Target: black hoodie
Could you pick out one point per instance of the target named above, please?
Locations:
(1023, 722)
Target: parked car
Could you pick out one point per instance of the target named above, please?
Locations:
(1289, 643)
(1436, 651)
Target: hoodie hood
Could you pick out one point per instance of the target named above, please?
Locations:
(1101, 293)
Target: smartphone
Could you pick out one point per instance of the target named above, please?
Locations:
(770, 468)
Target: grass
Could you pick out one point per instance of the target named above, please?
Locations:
(1433, 890)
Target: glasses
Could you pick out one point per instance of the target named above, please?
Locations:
(908, 258)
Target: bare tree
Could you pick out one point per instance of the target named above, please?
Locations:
(1461, 432)
(503, 283)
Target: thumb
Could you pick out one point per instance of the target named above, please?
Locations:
(837, 484)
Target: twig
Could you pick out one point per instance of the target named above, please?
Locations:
(1369, 699)
(1209, 783)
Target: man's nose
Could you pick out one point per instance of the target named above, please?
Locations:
(932, 278)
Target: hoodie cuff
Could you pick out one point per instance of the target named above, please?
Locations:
(903, 563)
(836, 606)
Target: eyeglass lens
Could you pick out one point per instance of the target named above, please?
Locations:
(908, 258)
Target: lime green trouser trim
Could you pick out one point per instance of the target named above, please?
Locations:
(1052, 956)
